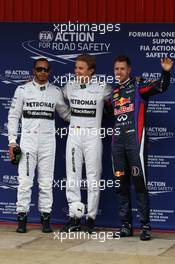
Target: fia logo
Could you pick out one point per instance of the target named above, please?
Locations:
(145, 75)
(46, 36)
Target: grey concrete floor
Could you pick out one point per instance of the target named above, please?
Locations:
(39, 248)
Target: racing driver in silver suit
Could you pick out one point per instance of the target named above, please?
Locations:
(35, 103)
(86, 98)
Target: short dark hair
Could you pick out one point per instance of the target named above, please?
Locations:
(40, 59)
(89, 59)
(123, 58)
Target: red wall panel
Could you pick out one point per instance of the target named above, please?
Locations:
(92, 11)
(139, 9)
(1, 10)
(87, 10)
(120, 11)
(82, 11)
(101, 10)
(27, 11)
(73, 8)
(169, 11)
(149, 11)
(9, 10)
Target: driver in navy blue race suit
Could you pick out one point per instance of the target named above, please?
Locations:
(129, 100)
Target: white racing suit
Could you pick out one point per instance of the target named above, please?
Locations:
(36, 105)
(84, 142)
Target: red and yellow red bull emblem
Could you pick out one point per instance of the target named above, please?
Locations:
(124, 109)
(123, 101)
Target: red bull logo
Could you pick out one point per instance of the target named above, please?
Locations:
(124, 109)
(122, 101)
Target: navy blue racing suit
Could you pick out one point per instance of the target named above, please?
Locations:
(129, 105)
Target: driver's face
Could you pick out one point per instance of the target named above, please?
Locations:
(41, 72)
(82, 71)
(121, 71)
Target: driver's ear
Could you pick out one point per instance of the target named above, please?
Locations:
(92, 71)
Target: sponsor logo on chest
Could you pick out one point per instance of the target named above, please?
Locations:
(40, 104)
(83, 102)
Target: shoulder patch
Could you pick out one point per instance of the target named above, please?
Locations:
(138, 78)
(116, 90)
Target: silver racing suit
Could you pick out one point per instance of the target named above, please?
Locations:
(36, 105)
(84, 141)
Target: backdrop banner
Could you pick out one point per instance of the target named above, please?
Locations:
(145, 44)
